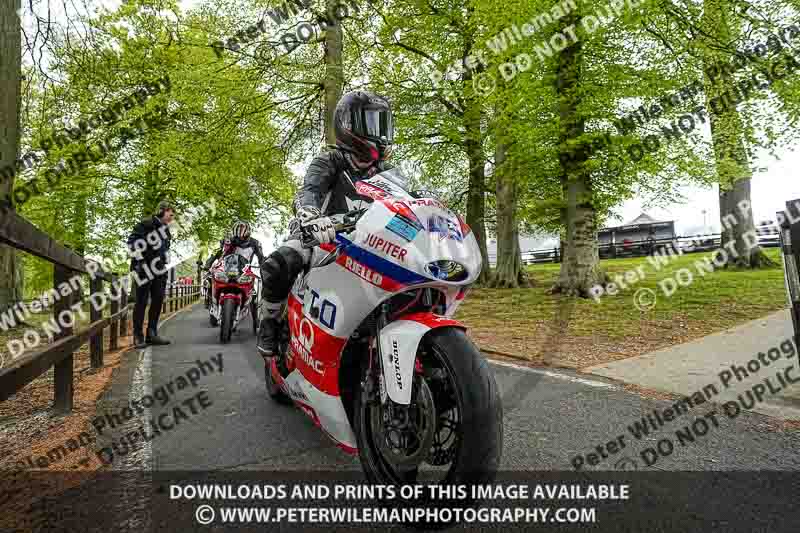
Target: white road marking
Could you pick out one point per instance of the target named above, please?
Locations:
(143, 382)
(557, 375)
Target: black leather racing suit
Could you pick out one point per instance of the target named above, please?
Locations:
(325, 174)
(229, 246)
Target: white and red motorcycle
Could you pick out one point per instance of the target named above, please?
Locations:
(369, 350)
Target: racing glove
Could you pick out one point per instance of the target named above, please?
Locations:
(321, 227)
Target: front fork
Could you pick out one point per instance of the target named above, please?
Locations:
(395, 418)
(376, 374)
(373, 388)
(216, 311)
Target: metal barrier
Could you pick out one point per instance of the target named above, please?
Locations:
(790, 246)
(767, 238)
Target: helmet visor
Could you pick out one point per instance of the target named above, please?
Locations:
(375, 124)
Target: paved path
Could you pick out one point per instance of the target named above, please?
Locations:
(550, 418)
(721, 360)
(553, 422)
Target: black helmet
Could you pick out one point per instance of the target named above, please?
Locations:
(364, 127)
(240, 231)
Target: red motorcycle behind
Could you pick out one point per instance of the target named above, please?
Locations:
(233, 295)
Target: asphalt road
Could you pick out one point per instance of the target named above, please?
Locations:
(550, 418)
(737, 476)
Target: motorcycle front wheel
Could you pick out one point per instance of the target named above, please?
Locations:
(452, 433)
(226, 322)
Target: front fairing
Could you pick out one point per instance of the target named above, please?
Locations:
(384, 258)
(415, 232)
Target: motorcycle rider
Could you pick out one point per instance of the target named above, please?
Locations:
(364, 129)
(239, 241)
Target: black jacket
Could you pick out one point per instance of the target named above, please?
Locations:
(249, 243)
(155, 248)
(325, 173)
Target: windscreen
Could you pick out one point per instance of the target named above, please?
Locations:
(233, 264)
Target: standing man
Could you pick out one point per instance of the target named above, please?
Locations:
(149, 246)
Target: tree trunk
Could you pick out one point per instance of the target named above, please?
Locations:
(508, 271)
(81, 223)
(10, 77)
(734, 175)
(580, 266)
(476, 200)
(730, 154)
(334, 74)
(737, 220)
(473, 147)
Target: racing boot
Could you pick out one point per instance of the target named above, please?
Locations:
(268, 329)
(269, 337)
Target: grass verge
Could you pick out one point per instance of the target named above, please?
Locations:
(525, 321)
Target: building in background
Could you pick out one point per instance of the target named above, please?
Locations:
(641, 236)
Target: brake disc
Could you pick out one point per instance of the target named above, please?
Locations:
(406, 433)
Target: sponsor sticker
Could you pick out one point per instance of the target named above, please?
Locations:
(445, 228)
(302, 344)
(396, 362)
(296, 393)
(428, 202)
(379, 243)
(403, 227)
(363, 272)
(387, 186)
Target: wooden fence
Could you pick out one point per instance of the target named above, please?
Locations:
(19, 233)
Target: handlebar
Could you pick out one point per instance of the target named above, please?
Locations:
(346, 225)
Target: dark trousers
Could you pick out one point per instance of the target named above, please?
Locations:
(154, 291)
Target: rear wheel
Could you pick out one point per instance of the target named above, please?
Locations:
(226, 324)
(254, 316)
(451, 433)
